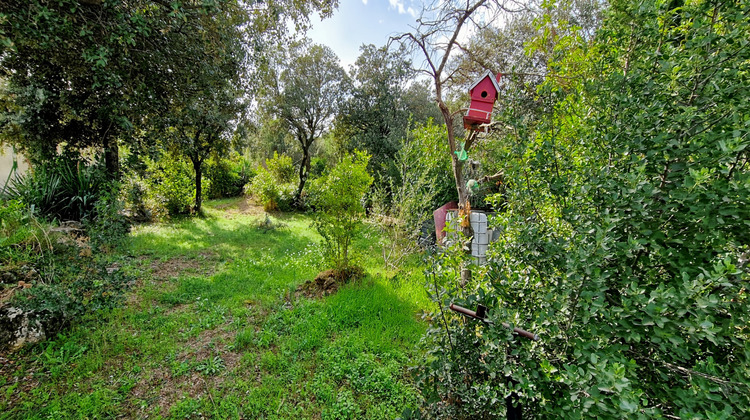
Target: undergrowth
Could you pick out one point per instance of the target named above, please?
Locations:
(214, 329)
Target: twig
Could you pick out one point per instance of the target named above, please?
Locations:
(440, 305)
(691, 372)
(491, 178)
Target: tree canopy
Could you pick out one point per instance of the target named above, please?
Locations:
(306, 95)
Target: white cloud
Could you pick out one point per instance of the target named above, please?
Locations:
(364, 2)
(402, 8)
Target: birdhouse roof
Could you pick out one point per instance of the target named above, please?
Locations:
(492, 78)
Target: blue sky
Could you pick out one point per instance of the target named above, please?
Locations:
(358, 22)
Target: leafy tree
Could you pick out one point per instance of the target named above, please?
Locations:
(78, 70)
(200, 116)
(340, 211)
(422, 183)
(376, 116)
(84, 73)
(306, 96)
(623, 241)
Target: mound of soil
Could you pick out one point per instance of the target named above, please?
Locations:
(328, 282)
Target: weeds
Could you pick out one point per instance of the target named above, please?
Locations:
(211, 366)
(235, 327)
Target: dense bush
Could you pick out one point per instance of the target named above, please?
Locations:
(282, 168)
(424, 165)
(107, 227)
(136, 202)
(624, 237)
(63, 279)
(338, 199)
(317, 167)
(63, 189)
(273, 186)
(170, 183)
(227, 176)
(422, 183)
(81, 285)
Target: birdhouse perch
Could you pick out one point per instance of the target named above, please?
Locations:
(483, 93)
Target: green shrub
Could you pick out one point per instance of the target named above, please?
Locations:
(227, 177)
(107, 227)
(282, 168)
(171, 184)
(63, 189)
(422, 182)
(317, 167)
(135, 198)
(266, 190)
(22, 238)
(425, 166)
(274, 187)
(79, 286)
(338, 199)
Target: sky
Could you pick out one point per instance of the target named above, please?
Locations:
(358, 22)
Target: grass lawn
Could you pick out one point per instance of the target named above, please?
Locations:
(213, 329)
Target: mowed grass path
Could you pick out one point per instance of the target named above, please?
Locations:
(212, 329)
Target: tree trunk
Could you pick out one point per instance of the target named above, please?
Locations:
(304, 172)
(458, 175)
(111, 157)
(197, 163)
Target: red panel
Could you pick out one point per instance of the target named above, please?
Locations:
(486, 87)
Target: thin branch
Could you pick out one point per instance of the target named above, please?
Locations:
(491, 178)
(691, 372)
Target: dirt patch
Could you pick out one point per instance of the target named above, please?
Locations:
(6, 293)
(11, 370)
(165, 389)
(328, 282)
(165, 270)
(243, 206)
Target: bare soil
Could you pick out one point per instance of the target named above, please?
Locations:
(328, 282)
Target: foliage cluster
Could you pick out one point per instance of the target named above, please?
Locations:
(380, 108)
(422, 183)
(73, 287)
(108, 227)
(339, 202)
(170, 184)
(227, 176)
(22, 237)
(164, 185)
(67, 191)
(273, 186)
(64, 280)
(624, 233)
(61, 189)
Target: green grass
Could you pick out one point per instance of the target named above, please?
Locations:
(213, 329)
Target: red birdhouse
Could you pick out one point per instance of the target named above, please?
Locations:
(483, 94)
